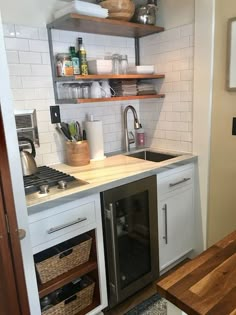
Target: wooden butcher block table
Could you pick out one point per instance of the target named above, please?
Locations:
(206, 284)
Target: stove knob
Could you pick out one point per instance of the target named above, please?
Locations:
(62, 184)
(44, 189)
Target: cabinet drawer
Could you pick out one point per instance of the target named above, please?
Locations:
(60, 224)
(174, 180)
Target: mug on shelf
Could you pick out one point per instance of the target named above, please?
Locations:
(108, 90)
(96, 90)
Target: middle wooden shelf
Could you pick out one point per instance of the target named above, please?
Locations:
(110, 77)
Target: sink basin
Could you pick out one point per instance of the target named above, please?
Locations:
(152, 156)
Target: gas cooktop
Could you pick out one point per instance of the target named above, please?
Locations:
(49, 181)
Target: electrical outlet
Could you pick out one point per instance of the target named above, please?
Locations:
(55, 114)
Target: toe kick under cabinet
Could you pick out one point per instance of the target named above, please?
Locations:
(175, 214)
(67, 244)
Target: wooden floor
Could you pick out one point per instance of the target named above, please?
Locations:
(134, 300)
(142, 295)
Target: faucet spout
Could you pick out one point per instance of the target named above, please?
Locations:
(129, 137)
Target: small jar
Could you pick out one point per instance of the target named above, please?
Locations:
(123, 64)
(66, 64)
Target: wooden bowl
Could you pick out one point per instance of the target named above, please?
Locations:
(119, 9)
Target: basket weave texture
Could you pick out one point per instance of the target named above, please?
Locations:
(82, 299)
(54, 266)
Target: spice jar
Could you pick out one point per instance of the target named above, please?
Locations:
(64, 65)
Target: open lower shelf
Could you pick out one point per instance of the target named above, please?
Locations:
(110, 77)
(109, 99)
(95, 25)
(67, 277)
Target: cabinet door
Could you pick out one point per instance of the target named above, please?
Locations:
(175, 216)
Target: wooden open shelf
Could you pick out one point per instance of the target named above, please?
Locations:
(110, 77)
(67, 277)
(95, 25)
(109, 99)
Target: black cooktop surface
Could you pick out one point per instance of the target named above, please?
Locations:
(45, 176)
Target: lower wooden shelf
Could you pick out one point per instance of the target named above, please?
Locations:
(67, 277)
(109, 99)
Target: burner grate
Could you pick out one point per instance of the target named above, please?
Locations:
(45, 175)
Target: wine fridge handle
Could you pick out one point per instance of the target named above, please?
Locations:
(113, 240)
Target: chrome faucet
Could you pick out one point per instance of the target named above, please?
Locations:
(129, 136)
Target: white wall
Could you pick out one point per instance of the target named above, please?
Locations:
(203, 84)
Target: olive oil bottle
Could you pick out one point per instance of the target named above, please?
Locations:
(82, 57)
(74, 60)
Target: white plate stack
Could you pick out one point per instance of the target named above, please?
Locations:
(83, 8)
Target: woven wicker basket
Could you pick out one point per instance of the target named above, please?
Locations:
(54, 266)
(74, 304)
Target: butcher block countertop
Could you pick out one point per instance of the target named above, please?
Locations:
(206, 284)
(105, 174)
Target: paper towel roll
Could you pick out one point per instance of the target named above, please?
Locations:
(94, 133)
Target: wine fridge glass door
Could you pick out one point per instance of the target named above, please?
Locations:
(131, 237)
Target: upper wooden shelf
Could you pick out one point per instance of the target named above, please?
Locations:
(95, 25)
(109, 76)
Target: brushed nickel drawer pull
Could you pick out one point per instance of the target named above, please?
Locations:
(180, 182)
(63, 226)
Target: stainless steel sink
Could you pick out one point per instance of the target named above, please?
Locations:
(151, 156)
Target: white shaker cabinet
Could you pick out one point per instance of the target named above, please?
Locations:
(175, 214)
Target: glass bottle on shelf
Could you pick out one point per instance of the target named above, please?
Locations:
(75, 60)
(83, 57)
(123, 64)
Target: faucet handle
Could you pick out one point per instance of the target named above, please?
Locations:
(131, 138)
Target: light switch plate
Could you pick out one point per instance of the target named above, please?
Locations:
(234, 126)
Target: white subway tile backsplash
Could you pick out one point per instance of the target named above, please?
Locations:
(186, 96)
(172, 53)
(37, 81)
(9, 30)
(19, 69)
(43, 34)
(41, 70)
(12, 57)
(167, 122)
(38, 46)
(16, 44)
(26, 32)
(181, 65)
(30, 57)
(16, 82)
(45, 58)
(186, 75)
(186, 30)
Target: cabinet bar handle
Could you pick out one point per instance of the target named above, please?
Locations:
(180, 182)
(165, 237)
(63, 226)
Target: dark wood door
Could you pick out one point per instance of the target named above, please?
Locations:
(13, 294)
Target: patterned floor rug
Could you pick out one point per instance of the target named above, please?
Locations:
(155, 305)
